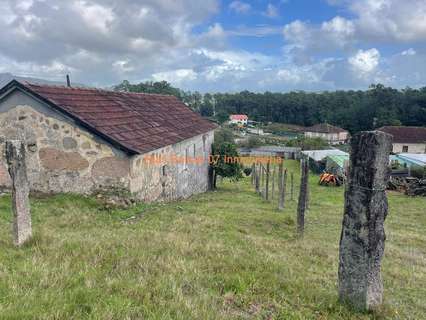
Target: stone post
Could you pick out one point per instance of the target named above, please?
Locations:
(257, 179)
(273, 183)
(253, 168)
(15, 157)
(280, 185)
(267, 181)
(363, 237)
(301, 206)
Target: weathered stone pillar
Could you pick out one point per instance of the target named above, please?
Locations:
(363, 236)
(303, 194)
(15, 157)
(267, 181)
(280, 186)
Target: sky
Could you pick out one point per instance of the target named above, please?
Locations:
(213, 45)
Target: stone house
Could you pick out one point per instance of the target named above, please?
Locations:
(407, 139)
(332, 134)
(80, 140)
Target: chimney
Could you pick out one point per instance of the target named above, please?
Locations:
(68, 81)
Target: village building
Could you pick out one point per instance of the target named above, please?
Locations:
(79, 140)
(272, 151)
(238, 119)
(332, 134)
(407, 139)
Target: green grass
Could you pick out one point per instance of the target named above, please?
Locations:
(221, 255)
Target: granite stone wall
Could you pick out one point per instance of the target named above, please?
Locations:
(60, 156)
(173, 172)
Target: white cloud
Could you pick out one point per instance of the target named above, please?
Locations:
(409, 52)
(175, 76)
(240, 6)
(271, 11)
(365, 62)
(102, 42)
(391, 20)
(95, 15)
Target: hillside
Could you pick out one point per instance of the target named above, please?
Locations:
(221, 255)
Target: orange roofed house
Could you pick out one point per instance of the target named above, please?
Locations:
(79, 140)
(238, 119)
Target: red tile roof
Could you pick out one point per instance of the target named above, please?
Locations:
(406, 134)
(324, 128)
(137, 122)
(238, 117)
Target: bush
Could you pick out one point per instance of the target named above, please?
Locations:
(418, 172)
(247, 171)
(252, 142)
(223, 135)
(308, 143)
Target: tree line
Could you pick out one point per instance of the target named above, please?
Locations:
(353, 110)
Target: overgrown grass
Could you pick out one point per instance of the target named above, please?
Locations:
(221, 255)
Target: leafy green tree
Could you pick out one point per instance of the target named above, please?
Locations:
(161, 87)
(352, 110)
(226, 162)
(223, 135)
(222, 116)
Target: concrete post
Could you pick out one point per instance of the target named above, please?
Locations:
(15, 157)
(363, 237)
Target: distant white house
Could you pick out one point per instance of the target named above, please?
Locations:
(238, 119)
(407, 139)
(332, 134)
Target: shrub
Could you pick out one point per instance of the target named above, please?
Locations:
(247, 171)
(418, 172)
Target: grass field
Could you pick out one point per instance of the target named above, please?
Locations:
(221, 255)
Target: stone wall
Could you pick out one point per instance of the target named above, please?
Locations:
(60, 156)
(173, 172)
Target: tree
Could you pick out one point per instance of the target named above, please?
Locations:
(222, 116)
(226, 161)
(351, 110)
(162, 87)
(223, 135)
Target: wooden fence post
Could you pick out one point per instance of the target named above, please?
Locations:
(291, 186)
(15, 157)
(301, 206)
(362, 239)
(267, 181)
